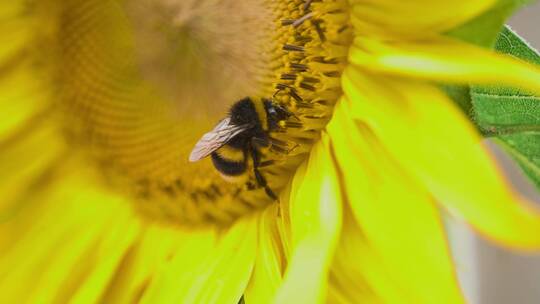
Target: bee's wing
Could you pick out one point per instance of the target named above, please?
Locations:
(215, 139)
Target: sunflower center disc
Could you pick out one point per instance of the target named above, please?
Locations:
(145, 79)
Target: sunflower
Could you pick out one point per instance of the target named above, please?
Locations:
(102, 101)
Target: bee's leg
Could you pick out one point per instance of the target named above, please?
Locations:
(260, 142)
(260, 179)
(266, 163)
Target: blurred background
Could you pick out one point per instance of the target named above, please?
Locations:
(489, 274)
(527, 24)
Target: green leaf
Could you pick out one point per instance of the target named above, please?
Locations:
(482, 31)
(512, 115)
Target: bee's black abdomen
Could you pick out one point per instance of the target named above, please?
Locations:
(229, 167)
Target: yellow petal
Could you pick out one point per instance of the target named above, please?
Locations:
(169, 282)
(396, 214)
(208, 268)
(26, 65)
(29, 140)
(412, 18)
(435, 143)
(315, 217)
(67, 233)
(358, 274)
(284, 221)
(267, 273)
(154, 248)
(24, 99)
(445, 60)
(15, 29)
(24, 161)
(107, 256)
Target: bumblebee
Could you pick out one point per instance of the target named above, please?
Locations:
(240, 137)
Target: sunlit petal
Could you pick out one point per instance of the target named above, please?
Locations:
(208, 268)
(435, 143)
(367, 280)
(443, 59)
(412, 18)
(36, 152)
(315, 213)
(68, 244)
(24, 98)
(396, 214)
(150, 253)
(268, 270)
